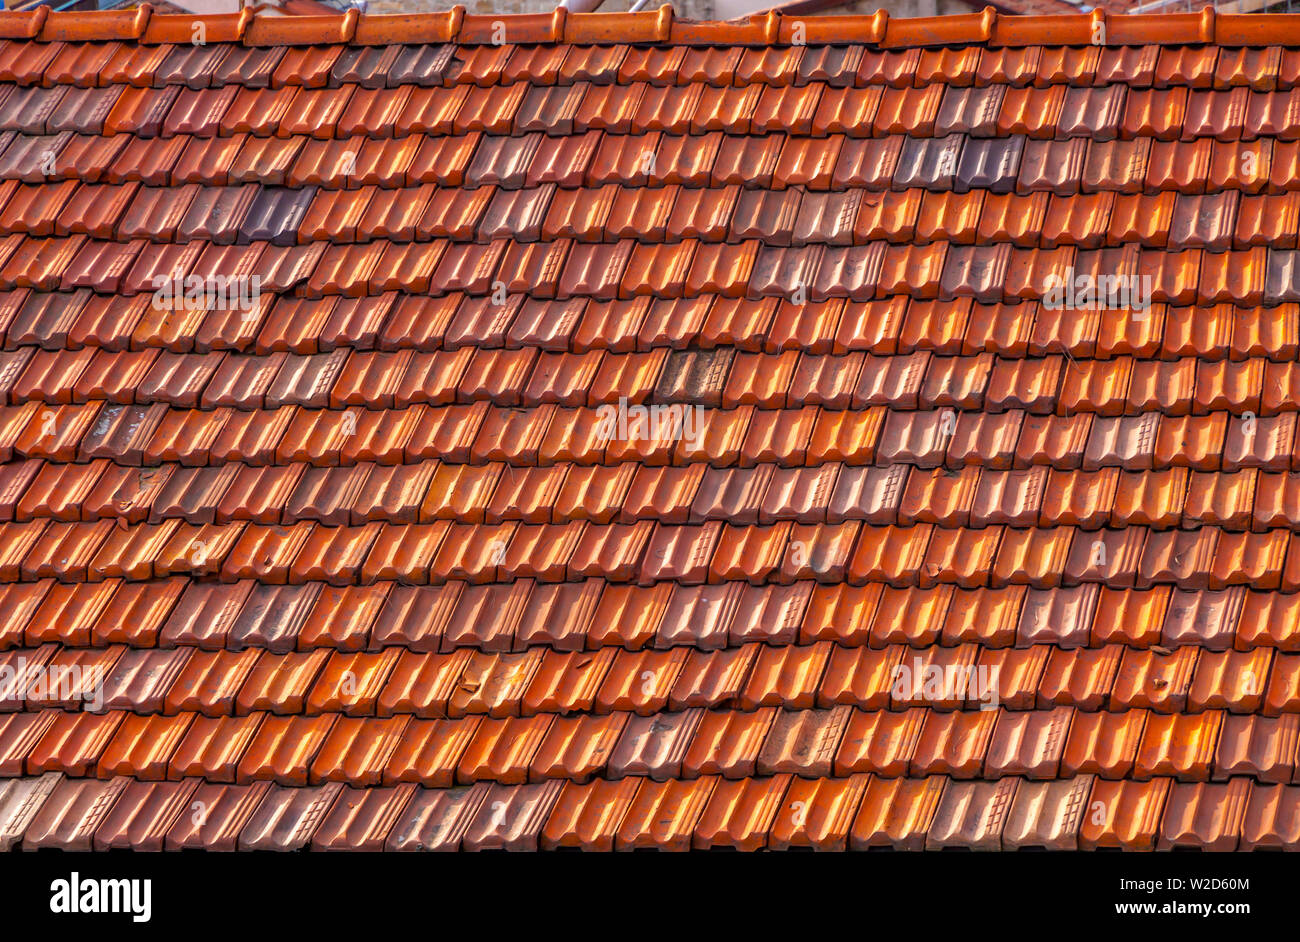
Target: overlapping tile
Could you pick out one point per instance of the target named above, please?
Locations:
(673, 444)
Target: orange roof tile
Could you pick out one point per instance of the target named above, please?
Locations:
(649, 433)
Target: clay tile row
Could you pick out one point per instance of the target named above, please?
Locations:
(649, 552)
(644, 669)
(723, 377)
(764, 494)
(1227, 223)
(992, 745)
(1021, 171)
(816, 108)
(365, 108)
(778, 812)
(364, 273)
(102, 617)
(480, 437)
(282, 326)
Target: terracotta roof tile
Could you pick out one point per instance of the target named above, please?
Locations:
(367, 564)
(896, 812)
(972, 814)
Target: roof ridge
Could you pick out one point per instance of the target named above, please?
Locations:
(987, 27)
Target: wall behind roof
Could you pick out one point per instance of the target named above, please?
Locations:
(689, 9)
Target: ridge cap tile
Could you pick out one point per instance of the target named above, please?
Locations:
(987, 27)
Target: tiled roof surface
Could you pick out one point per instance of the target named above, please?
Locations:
(361, 568)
